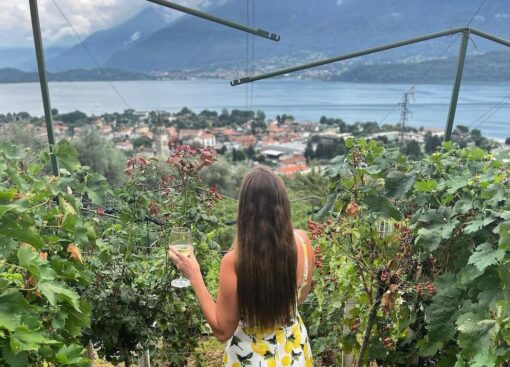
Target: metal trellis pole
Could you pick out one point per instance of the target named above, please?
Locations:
(456, 85)
(215, 19)
(39, 52)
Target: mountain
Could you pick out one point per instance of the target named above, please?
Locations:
(10, 75)
(24, 58)
(490, 67)
(311, 27)
(103, 44)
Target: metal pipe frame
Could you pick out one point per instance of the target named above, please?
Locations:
(465, 31)
(215, 19)
(456, 86)
(39, 52)
(348, 56)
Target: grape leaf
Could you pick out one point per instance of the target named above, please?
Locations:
(54, 291)
(485, 256)
(25, 339)
(382, 206)
(397, 184)
(37, 267)
(504, 236)
(425, 185)
(12, 227)
(12, 304)
(67, 156)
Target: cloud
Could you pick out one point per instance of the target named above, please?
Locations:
(86, 16)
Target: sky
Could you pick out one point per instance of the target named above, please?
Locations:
(86, 16)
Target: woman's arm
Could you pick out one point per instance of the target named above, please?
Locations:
(223, 315)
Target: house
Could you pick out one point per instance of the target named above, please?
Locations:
(292, 160)
(292, 170)
(244, 140)
(124, 145)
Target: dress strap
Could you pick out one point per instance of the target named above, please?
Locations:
(305, 258)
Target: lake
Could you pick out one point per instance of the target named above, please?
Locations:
(483, 106)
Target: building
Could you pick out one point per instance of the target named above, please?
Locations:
(292, 170)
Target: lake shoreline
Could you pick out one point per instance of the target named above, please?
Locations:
(480, 104)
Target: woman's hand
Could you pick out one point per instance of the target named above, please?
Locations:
(187, 265)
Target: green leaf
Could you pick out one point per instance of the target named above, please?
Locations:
(382, 206)
(12, 227)
(75, 320)
(485, 256)
(97, 188)
(484, 358)
(442, 313)
(54, 291)
(37, 267)
(25, 339)
(13, 360)
(398, 185)
(430, 349)
(475, 333)
(8, 194)
(455, 183)
(474, 226)
(12, 304)
(11, 151)
(69, 219)
(504, 236)
(476, 154)
(70, 354)
(425, 186)
(67, 156)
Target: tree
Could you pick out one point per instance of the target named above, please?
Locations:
(507, 141)
(142, 141)
(21, 136)
(260, 116)
(413, 150)
(309, 153)
(102, 156)
(250, 152)
(431, 143)
(73, 117)
(238, 155)
(223, 177)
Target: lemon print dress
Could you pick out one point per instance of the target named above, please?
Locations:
(274, 347)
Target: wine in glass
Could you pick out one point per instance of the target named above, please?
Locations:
(180, 240)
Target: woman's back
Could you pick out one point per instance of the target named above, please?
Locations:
(283, 345)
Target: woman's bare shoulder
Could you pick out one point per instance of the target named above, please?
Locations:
(303, 234)
(229, 261)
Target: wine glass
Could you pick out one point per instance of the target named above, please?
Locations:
(180, 240)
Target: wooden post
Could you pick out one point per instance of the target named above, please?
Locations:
(347, 359)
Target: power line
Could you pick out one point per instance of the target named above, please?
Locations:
(247, 66)
(100, 68)
(476, 13)
(484, 117)
(252, 52)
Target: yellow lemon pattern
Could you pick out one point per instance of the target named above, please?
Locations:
(285, 346)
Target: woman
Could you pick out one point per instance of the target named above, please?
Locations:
(262, 280)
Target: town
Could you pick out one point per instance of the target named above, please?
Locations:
(291, 147)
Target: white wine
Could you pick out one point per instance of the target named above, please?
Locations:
(183, 248)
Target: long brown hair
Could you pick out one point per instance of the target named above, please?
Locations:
(265, 251)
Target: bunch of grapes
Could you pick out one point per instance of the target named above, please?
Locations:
(318, 258)
(430, 288)
(315, 229)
